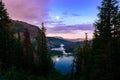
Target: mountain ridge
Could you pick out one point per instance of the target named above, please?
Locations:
(20, 26)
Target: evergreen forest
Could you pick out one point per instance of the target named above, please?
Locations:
(98, 59)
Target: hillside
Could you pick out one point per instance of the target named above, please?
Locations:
(55, 42)
(19, 26)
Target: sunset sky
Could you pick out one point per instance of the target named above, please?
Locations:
(64, 18)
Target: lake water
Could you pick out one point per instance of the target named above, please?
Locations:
(63, 63)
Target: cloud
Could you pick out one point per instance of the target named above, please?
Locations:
(52, 22)
(62, 28)
(75, 14)
(65, 13)
(28, 10)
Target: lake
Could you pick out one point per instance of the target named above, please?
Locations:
(63, 63)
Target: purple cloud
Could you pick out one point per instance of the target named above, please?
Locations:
(75, 14)
(65, 13)
(62, 28)
(28, 10)
(52, 22)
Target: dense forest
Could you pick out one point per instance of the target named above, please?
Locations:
(101, 61)
(97, 59)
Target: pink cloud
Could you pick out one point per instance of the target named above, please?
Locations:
(62, 28)
(28, 10)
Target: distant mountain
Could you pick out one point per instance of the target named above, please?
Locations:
(55, 41)
(76, 40)
(70, 45)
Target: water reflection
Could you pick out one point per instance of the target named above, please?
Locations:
(57, 59)
(63, 63)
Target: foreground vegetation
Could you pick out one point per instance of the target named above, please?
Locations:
(19, 58)
(17, 51)
(14, 74)
(101, 60)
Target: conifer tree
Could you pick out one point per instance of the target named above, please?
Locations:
(105, 33)
(44, 60)
(28, 56)
(82, 58)
(107, 22)
(6, 38)
(18, 56)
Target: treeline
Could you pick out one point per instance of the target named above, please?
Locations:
(101, 60)
(18, 53)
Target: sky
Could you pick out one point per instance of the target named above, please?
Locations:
(64, 18)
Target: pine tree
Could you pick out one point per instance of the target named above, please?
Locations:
(114, 47)
(6, 38)
(105, 33)
(28, 56)
(82, 60)
(18, 56)
(106, 25)
(107, 18)
(44, 61)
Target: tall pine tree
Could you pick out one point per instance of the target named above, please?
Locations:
(82, 60)
(28, 56)
(106, 27)
(6, 38)
(44, 61)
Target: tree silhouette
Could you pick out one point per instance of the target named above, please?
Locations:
(44, 62)
(105, 41)
(82, 60)
(6, 38)
(28, 56)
